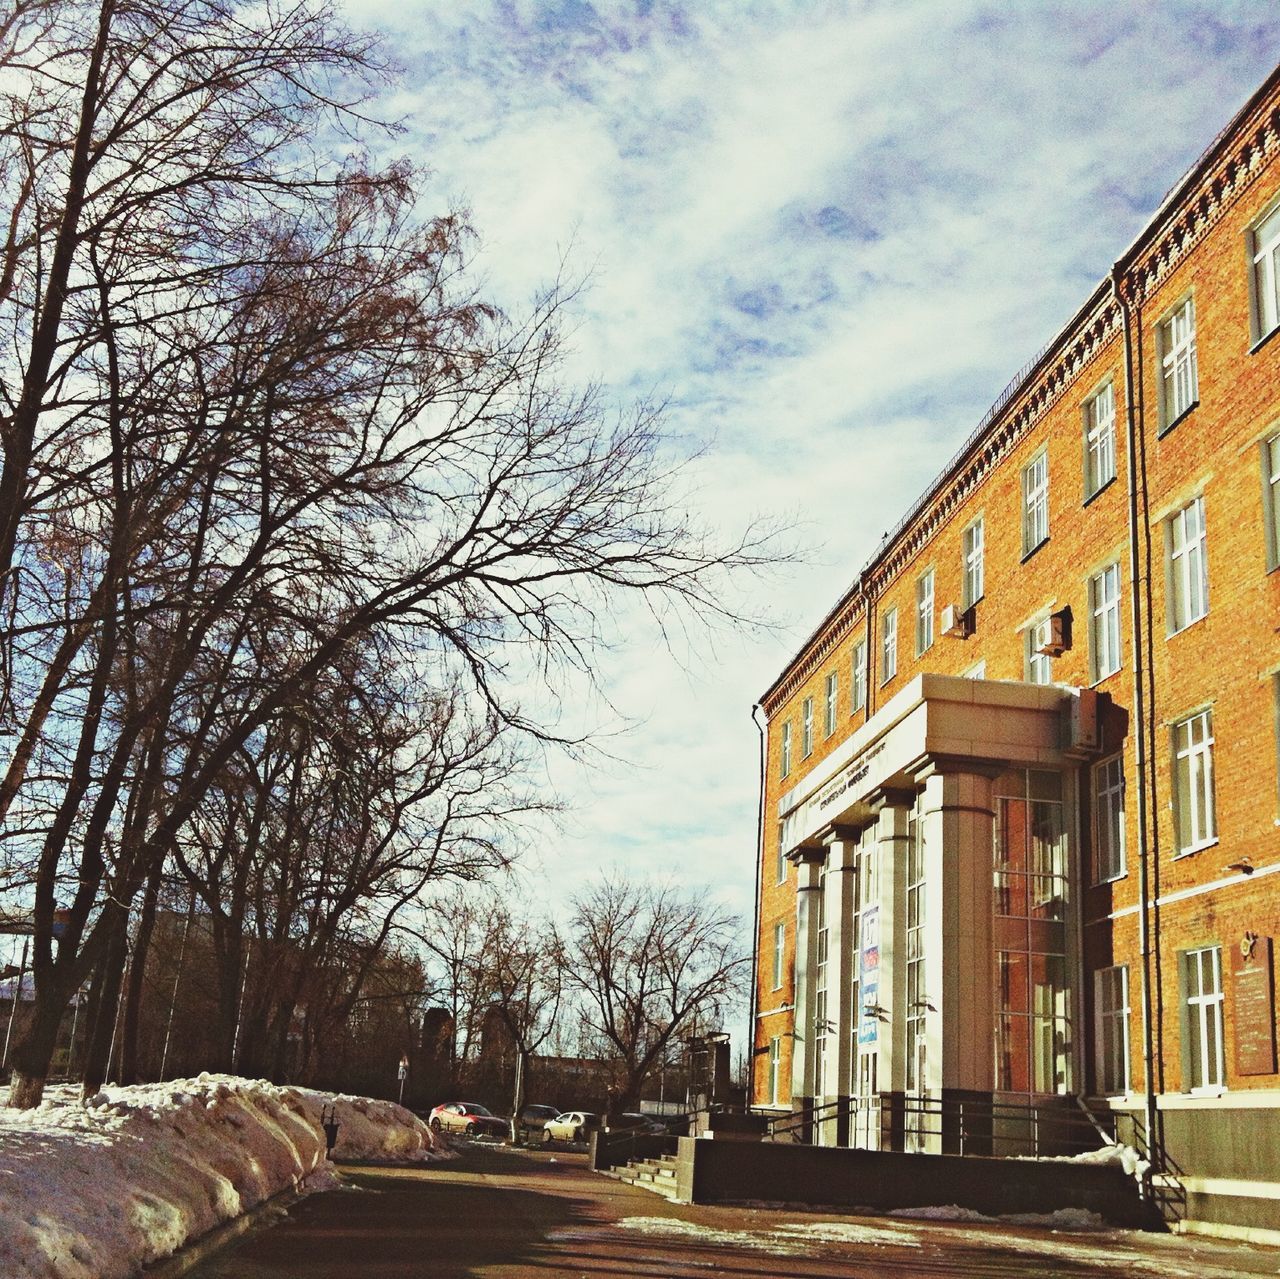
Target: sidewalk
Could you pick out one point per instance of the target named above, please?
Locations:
(496, 1214)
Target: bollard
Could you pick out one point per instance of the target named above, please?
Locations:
(329, 1122)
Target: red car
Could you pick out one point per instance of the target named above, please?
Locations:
(469, 1119)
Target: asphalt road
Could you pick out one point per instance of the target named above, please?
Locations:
(495, 1214)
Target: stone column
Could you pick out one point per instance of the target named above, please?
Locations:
(891, 835)
(958, 815)
(841, 893)
(808, 863)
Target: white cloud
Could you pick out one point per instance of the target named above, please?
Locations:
(830, 233)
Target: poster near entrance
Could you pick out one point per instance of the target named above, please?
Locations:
(869, 977)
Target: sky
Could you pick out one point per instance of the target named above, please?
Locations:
(827, 235)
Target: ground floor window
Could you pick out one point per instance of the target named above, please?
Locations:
(1111, 1001)
(1202, 987)
(775, 1063)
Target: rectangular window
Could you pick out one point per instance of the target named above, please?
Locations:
(924, 612)
(1195, 819)
(1099, 440)
(977, 671)
(1202, 982)
(1111, 1001)
(786, 749)
(1188, 566)
(1035, 502)
(806, 728)
(781, 867)
(1104, 622)
(888, 645)
(1108, 819)
(858, 683)
(974, 540)
(832, 701)
(775, 1068)
(1179, 380)
(1271, 499)
(1266, 274)
(1038, 667)
(779, 944)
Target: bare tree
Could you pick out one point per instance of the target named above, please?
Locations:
(649, 961)
(255, 425)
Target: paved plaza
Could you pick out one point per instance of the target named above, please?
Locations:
(505, 1215)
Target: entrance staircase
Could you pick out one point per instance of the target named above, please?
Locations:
(657, 1174)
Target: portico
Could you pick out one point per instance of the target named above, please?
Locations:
(934, 948)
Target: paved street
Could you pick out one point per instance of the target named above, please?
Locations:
(504, 1215)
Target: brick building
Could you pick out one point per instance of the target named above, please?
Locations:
(1022, 801)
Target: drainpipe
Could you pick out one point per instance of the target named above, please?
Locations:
(755, 947)
(1140, 719)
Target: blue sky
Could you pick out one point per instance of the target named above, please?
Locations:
(828, 234)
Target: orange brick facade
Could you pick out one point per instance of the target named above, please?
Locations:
(1200, 246)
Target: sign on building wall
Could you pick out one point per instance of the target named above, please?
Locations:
(1254, 1007)
(869, 977)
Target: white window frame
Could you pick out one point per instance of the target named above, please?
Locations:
(977, 671)
(1035, 502)
(924, 612)
(1105, 654)
(888, 644)
(775, 1068)
(785, 749)
(1264, 273)
(1111, 1028)
(858, 682)
(1271, 498)
(1037, 668)
(806, 728)
(973, 557)
(1203, 1006)
(780, 870)
(1099, 439)
(1108, 820)
(1179, 374)
(832, 702)
(1194, 803)
(779, 945)
(1187, 564)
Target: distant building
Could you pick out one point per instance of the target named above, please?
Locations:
(1022, 810)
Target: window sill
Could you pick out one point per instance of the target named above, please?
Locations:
(1102, 679)
(1099, 491)
(1111, 879)
(1183, 629)
(1169, 426)
(1195, 848)
(1026, 555)
(1263, 340)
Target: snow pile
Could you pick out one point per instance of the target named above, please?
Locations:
(96, 1191)
(1116, 1153)
(1077, 1219)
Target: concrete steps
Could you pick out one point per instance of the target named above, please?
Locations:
(657, 1175)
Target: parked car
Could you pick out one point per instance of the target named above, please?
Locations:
(573, 1125)
(467, 1118)
(631, 1121)
(533, 1120)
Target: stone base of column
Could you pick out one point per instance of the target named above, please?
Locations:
(803, 1108)
(842, 1121)
(966, 1122)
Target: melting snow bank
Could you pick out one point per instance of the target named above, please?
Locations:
(99, 1190)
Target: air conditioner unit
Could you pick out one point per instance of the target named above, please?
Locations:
(956, 621)
(1083, 724)
(1059, 638)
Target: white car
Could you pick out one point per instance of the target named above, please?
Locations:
(573, 1125)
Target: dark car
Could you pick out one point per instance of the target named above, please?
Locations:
(468, 1119)
(631, 1121)
(533, 1119)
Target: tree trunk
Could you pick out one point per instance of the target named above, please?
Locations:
(137, 981)
(32, 1053)
(97, 1063)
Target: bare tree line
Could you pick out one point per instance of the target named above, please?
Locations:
(289, 515)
